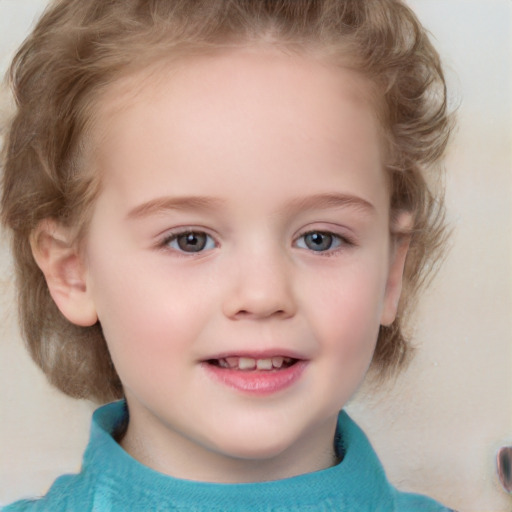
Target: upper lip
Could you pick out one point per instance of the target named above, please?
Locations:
(263, 354)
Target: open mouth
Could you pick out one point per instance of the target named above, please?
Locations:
(263, 375)
(249, 363)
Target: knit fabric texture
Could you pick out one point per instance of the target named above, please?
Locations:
(112, 481)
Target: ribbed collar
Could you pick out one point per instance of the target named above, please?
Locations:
(119, 478)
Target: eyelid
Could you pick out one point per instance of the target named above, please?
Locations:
(172, 234)
(346, 241)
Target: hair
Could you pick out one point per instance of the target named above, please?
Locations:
(80, 47)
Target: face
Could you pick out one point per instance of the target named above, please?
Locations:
(239, 260)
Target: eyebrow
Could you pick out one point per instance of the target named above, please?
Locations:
(163, 204)
(208, 204)
(330, 200)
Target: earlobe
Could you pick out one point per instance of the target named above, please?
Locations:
(65, 273)
(396, 269)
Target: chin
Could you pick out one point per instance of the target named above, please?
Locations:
(249, 446)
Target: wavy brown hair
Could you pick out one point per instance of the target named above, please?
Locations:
(80, 47)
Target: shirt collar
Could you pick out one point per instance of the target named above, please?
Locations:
(120, 476)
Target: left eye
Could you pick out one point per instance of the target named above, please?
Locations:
(190, 241)
(319, 241)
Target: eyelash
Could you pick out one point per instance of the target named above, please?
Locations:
(174, 237)
(342, 242)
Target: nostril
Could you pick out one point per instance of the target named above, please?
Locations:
(255, 302)
(246, 313)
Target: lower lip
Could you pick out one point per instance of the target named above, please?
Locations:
(257, 382)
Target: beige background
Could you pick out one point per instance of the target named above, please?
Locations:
(438, 428)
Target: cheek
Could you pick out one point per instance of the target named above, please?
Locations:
(144, 340)
(150, 321)
(348, 313)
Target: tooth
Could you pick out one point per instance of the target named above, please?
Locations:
(232, 362)
(246, 363)
(264, 364)
(277, 362)
(223, 363)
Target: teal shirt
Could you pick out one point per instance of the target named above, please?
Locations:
(112, 481)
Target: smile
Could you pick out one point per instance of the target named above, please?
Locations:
(249, 363)
(256, 375)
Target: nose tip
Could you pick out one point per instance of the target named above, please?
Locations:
(253, 306)
(260, 293)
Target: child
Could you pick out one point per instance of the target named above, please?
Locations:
(215, 208)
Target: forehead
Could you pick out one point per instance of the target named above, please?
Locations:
(247, 109)
(226, 63)
(257, 72)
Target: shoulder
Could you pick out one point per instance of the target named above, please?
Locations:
(365, 472)
(405, 502)
(69, 492)
(83, 491)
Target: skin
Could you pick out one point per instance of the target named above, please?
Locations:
(254, 149)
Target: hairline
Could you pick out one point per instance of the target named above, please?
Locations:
(125, 86)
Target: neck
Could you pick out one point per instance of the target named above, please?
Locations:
(172, 454)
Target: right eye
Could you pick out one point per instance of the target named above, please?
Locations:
(190, 242)
(320, 241)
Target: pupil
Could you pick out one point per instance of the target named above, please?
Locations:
(192, 242)
(318, 241)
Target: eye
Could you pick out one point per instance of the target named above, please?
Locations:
(190, 241)
(319, 241)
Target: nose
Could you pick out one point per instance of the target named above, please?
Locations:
(261, 286)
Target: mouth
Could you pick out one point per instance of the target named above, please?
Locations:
(251, 364)
(261, 375)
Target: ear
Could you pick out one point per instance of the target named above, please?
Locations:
(399, 247)
(60, 261)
